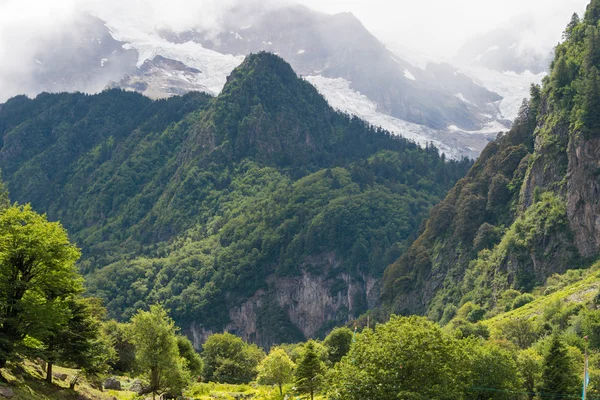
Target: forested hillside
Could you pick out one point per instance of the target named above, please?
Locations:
(261, 211)
(527, 209)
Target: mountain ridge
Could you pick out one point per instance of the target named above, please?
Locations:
(214, 205)
(526, 209)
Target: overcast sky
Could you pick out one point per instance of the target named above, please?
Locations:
(437, 27)
(433, 27)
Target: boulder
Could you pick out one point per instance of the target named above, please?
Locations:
(6, 393)
(59, 376)
(138, 387)
(112, 383)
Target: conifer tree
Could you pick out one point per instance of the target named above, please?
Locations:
(575, 21)
(592, 13)
(558, 377)
(309, 373)
(560, 74)
(591, 101)
(592, 51)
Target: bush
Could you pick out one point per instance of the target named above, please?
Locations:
(521, 300)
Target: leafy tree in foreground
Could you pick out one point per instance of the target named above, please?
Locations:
(309, 373)
(120, 336)
(187, 351)
(229, 359)
(494, 372)
(338, 344)
(558, 377)
(529, 363)
(276, 369)
(79, 341)
(37, 263)
(408, 356)
(157, 354)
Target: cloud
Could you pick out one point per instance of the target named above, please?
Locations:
(436, 27)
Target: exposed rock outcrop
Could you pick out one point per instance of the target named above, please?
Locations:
(298, 307)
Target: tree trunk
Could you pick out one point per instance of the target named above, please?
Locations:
(49, 372)
(280, 390)
(312, 394)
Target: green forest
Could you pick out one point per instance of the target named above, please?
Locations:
(197, 202)
(261, 245)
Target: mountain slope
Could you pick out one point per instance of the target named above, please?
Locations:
(527, 209)
(261, 211)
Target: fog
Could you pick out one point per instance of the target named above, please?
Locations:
(435, 27)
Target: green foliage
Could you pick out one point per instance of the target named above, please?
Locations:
(194, 363)
(470, 219)
(559, 376)
(276, 369)
(37, 275)
(79, 341)
(194, 201)
(309, 373)
(119, 335)
(228, 359)
(494, 372)
(338, 343)
(393, 359)
(521, 331)
(463, 329)
(529, 363)
(522, 299)
(156, 350)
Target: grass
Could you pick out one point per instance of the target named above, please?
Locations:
(582, 290)
(27, 382)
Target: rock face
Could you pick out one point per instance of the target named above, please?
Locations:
(162, 77)
(59, 376)
(6, 393)
(583, 193)
(298, 307)
(112, 384)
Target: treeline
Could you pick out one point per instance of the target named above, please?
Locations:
(43, 316)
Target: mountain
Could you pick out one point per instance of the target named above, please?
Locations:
(528, 207)
(336, 50)
(330, 51)
(503, 49)
(261, 211)
(82, 61)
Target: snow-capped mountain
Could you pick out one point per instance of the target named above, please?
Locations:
(356, 72)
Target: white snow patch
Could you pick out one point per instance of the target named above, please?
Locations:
(300, 52)
(463, 98)
(214, 66)
(342, 97)
(408, 75)
(489, 128)
(103, 61)
(513, 87)
(493, 48)
(38, 61)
